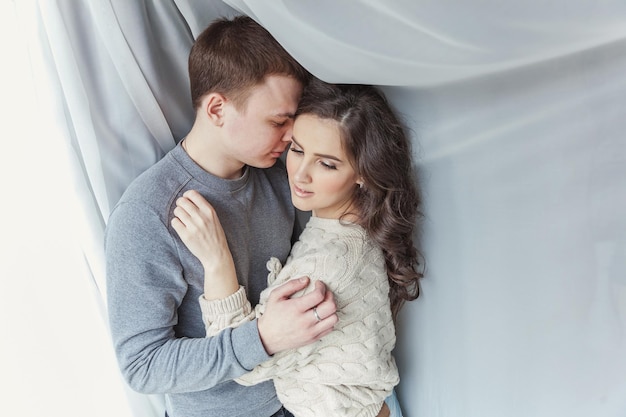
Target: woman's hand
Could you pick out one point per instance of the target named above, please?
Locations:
(200, 230)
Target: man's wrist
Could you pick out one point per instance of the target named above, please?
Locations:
(271, 348)
(248, 346)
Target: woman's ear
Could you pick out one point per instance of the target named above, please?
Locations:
(213, 105)
(360, 182)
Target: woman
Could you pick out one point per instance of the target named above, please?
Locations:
(350, 165)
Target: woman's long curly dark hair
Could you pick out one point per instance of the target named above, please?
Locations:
(388, 203)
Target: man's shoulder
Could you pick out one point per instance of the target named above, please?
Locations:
(153, 189)
(156, 182)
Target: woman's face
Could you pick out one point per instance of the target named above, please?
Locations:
(321, 178)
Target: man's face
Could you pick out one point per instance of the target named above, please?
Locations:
(259, 132)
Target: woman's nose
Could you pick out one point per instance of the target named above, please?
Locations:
(302, 173)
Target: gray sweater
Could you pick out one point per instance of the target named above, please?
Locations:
(153, 285)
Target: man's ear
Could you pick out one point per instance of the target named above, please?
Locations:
(214, 106)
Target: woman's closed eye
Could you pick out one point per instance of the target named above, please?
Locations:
(328, 165)
(295, 149)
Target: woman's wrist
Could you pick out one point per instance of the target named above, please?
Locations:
(220, 282)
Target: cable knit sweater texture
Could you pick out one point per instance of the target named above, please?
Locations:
(350, 371)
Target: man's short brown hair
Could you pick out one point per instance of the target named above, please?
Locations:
(232, 56)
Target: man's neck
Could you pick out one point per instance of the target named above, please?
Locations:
(207, 154)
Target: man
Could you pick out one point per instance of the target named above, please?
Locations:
(245, 89)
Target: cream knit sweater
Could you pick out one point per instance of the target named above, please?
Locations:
(351, 370)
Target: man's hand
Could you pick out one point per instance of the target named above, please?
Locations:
(289, 323)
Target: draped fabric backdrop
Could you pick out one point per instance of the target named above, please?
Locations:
(517, 112)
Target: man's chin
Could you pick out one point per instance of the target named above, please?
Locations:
(266, 163)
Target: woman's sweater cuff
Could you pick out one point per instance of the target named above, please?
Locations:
(232, 303)
(231, 311)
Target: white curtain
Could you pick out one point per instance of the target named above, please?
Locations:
(517, 111)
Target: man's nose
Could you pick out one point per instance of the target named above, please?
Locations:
(286, 135)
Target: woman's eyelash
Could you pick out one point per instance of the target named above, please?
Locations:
(301, 152)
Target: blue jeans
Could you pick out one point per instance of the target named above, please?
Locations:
(392, 403)
(282, 413)
(394, 406)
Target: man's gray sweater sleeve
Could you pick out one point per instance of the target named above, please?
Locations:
(145, 287)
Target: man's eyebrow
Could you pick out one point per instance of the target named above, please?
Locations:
(286, 114)
(321, 155)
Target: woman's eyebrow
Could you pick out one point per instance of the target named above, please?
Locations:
(321, 155)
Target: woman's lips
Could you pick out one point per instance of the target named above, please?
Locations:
(300, 192)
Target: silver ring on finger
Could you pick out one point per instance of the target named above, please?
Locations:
(317, 316)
